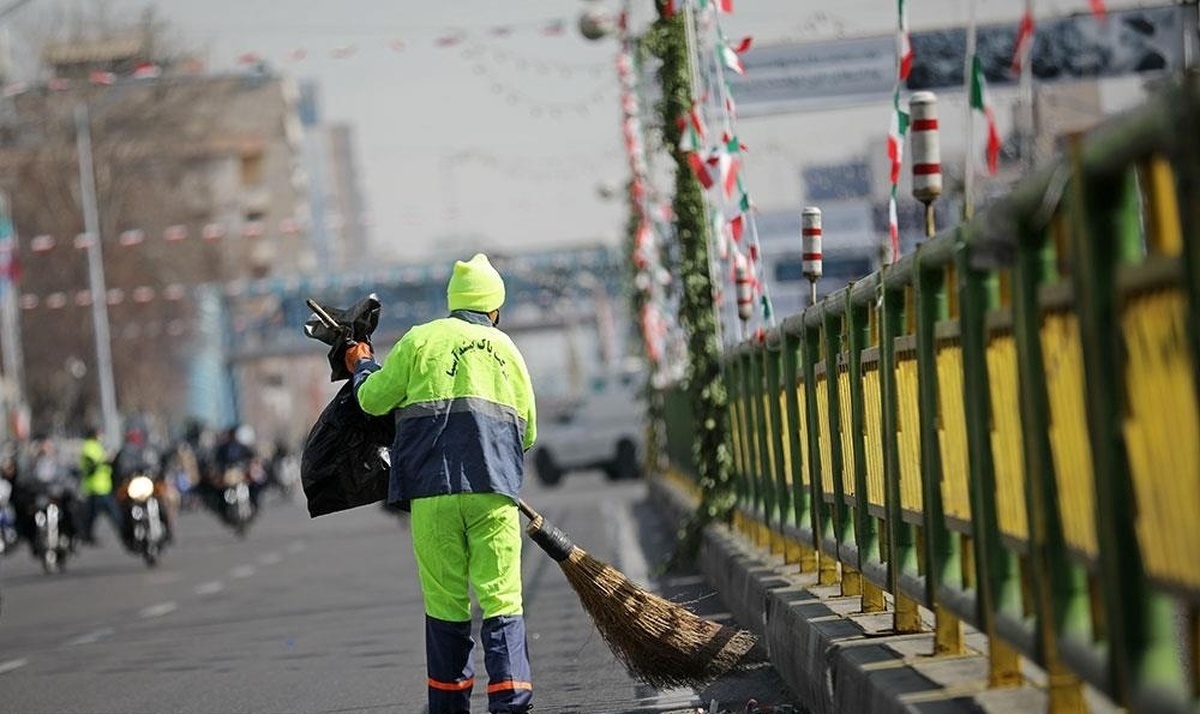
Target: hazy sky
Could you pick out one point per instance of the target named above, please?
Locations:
(506, 138)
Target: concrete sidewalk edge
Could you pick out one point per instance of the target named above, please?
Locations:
(831, 663)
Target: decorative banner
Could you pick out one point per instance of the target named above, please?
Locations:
(1065, 49)
(828, 75)
(834, 182)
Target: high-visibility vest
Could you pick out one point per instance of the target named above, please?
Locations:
(94, 467)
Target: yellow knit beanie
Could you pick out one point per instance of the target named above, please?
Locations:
(475, 285)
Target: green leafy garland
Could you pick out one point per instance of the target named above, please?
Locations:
(711, 453)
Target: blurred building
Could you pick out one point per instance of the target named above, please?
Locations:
(349, 216)
(339, 226)
(198, 190)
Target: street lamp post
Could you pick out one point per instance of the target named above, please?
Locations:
(15, 411)
(91, 222)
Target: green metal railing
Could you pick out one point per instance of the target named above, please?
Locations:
(1002, 427)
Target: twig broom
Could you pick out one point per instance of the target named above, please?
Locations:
(660, 642)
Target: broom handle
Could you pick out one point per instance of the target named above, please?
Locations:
(527, 510)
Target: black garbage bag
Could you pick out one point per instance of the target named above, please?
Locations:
(345, 461)
(356, 322)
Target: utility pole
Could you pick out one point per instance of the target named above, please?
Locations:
(15, 410)
(91, 222)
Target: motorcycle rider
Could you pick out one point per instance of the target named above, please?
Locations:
(47, 477)
(133, 458)
(96, 482)
(9, 526)
(236, 450)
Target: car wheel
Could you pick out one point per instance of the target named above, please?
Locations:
(625, 466)
(548, 472)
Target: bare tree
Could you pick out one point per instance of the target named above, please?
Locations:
(155, 143)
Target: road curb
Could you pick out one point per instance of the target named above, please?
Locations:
(832, 661)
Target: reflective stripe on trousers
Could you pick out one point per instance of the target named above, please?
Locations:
(448, 647)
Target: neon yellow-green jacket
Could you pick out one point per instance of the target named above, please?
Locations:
(96, 474)
(464, 408)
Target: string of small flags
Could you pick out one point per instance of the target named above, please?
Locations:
(46, 245)
(660, 333)
(898, 125)
(449, 39)
(717, 161)
(209, 232)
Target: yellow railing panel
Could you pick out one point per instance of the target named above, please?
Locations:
(1164, 232)
(754, 436)
(1062, 355)
(1007, 460)
(737, 429)
(802, 427)
(847, 434)
(1162, 434)
(909, 439)
(873, 434)
(824, 439)
(952, 432)
(768, 442)
(784, 426)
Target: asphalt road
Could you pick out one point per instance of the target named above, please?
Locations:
(322, 616)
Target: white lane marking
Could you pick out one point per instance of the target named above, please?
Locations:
(242, 571)
(90, 637)
(210, 588)
(158, 610)
(269, 559)
(297, 547)
(12, 664)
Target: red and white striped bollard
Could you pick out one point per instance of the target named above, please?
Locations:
(810, 242)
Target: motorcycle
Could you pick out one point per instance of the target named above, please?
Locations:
(8, 518)
(236, 507)
(144, 528)
(53, 529)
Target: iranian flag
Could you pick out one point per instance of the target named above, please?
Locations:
(896, 133)
(893, 227)
(1024, 38)
(981, 101)
(146, 70)
(904, 51)
(693, 133)
(103, 79)
(737, 227)
(731, 56)
(700, 168)
(1098, 8)
(725, 7)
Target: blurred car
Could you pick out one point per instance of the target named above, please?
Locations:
(602, 430)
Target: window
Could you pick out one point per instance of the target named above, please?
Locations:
(252, 168)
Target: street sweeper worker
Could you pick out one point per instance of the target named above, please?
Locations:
(464, 409)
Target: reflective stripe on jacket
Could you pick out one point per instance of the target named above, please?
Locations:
(464, 408)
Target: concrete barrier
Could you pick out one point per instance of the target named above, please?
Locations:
(835, 658)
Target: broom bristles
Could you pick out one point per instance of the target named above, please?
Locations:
(661, 643)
